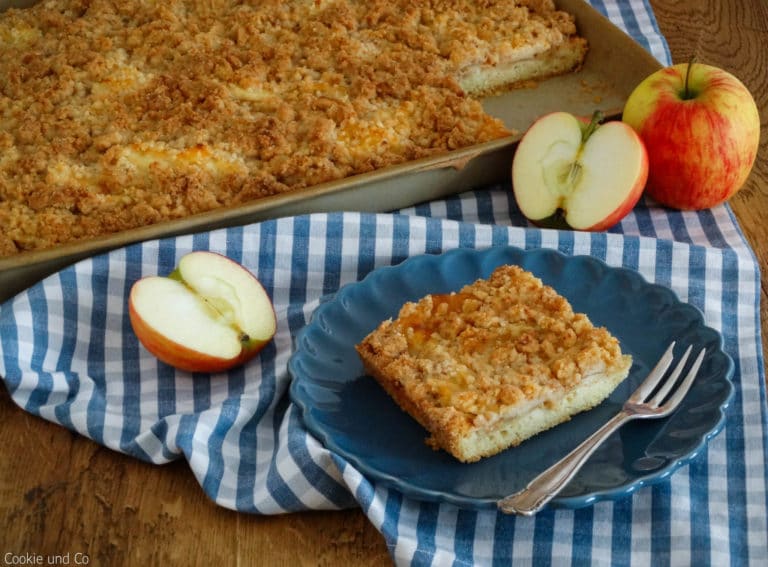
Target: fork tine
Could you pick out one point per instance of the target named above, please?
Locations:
(685, 385)
(650, 383)
(670, 382)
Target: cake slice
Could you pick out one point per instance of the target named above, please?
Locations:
(487, 367)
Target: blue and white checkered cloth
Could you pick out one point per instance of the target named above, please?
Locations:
(67, 354)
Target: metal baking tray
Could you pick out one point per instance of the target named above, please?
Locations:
(615, 64)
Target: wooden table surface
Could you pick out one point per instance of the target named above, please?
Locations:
(69, 495)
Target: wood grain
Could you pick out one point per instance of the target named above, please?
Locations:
(62, 494)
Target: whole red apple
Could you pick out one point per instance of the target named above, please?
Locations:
(701, 129)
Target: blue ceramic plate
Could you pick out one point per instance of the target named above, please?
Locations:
(354, 417)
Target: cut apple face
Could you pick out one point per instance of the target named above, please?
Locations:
(571, 173)
(210, 314)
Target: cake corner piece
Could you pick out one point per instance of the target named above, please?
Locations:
(494, 364)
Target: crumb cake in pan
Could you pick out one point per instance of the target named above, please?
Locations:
(121, 114)
(487, 367)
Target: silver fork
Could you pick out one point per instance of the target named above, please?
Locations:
(649, 401)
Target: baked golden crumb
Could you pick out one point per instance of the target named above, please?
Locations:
(487, 367)
(117, 114)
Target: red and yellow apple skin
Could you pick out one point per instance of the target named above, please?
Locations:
(209, 315)
(701, 142)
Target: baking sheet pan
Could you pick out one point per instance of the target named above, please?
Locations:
(615, 64)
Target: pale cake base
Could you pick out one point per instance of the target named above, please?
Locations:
(484, 442)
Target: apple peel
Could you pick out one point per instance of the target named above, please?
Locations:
(210, 314)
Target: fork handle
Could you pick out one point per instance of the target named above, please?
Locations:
(549, 483)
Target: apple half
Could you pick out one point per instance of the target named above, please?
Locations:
(578, 174)
(210, 314)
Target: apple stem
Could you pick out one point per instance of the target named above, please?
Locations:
(597, 118)
(686, 87)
